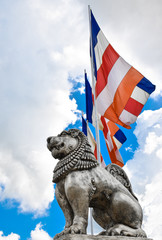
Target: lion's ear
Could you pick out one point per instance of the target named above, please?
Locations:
(74, 134)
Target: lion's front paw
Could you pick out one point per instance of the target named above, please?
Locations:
(113, 232)
(123, 230)
(78, 229)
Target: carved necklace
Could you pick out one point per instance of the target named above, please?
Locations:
(81, 158)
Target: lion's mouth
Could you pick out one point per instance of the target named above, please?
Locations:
(55, 146)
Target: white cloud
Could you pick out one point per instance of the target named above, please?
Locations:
(39, 233)
(41, 49)
(29, 182)
(12, 236)
(81, 90)
(129, 149)
(145, 170)
(152, 142)
(152, 202)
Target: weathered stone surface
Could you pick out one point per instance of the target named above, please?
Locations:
(90, 237)
(82, 183)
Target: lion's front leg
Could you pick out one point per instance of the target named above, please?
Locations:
(79, 225)
(66, 208)
(79, 200)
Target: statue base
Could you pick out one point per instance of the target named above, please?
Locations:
(98, 237)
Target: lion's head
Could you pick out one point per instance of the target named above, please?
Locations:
(74, 152)
(61, 145)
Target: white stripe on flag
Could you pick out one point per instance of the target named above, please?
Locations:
(93, 117)
(90, 138)
(102, 44)
(125, 115)
(103, 164)
(140, 95)
(100, 124)
(118, 156)
(116, 75)
(109, 142)
(103, 101)
(118, 144)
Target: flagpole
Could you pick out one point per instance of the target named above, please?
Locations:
(93, 85)
(90, 209)
(91, 220)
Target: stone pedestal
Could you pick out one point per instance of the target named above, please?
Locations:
(90, 237)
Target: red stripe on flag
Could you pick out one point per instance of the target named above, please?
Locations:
(109, 57)
(134, 107)
(105, 128)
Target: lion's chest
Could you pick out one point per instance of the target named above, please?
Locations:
(91, 182)
(79, 182)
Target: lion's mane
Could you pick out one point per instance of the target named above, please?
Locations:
(81, 158)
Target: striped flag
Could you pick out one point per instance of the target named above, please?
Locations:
(121, 91)
(89, 101)
(118, 136)
(87, 131)
(114, 137)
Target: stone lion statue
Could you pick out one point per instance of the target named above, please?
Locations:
(82, 183)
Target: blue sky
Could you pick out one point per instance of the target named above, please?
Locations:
(44, 51)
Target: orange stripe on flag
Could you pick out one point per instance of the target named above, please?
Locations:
(125, 89)
(111, 115)
(113, 158)
(113, 127)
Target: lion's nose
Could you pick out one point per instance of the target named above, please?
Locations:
(49, 139)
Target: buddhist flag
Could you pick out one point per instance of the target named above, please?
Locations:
(117, 134)
(87, 131)
(121, 91)
(114, 137)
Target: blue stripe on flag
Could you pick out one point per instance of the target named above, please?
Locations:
(89, 103)
(146, 85)
(119, 135)
(95, 31)
(84, 126)
(94, 63)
